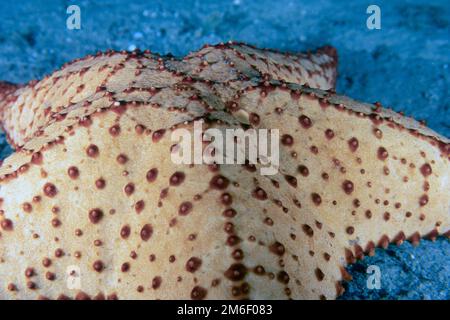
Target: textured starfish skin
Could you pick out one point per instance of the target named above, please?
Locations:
(32, 107)
(92, 186)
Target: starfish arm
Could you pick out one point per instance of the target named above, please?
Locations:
(7, 99)
(102, 199)
(26, 110)
(371, 175)
(238, 61)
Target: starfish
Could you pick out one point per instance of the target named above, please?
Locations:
(86, 79)
(90, 193)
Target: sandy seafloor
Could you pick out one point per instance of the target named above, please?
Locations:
(405, 65)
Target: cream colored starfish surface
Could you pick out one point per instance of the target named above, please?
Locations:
(91, 193)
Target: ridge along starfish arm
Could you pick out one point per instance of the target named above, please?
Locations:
(26, 111)
(94, 189)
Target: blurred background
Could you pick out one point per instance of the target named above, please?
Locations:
(404, 65)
